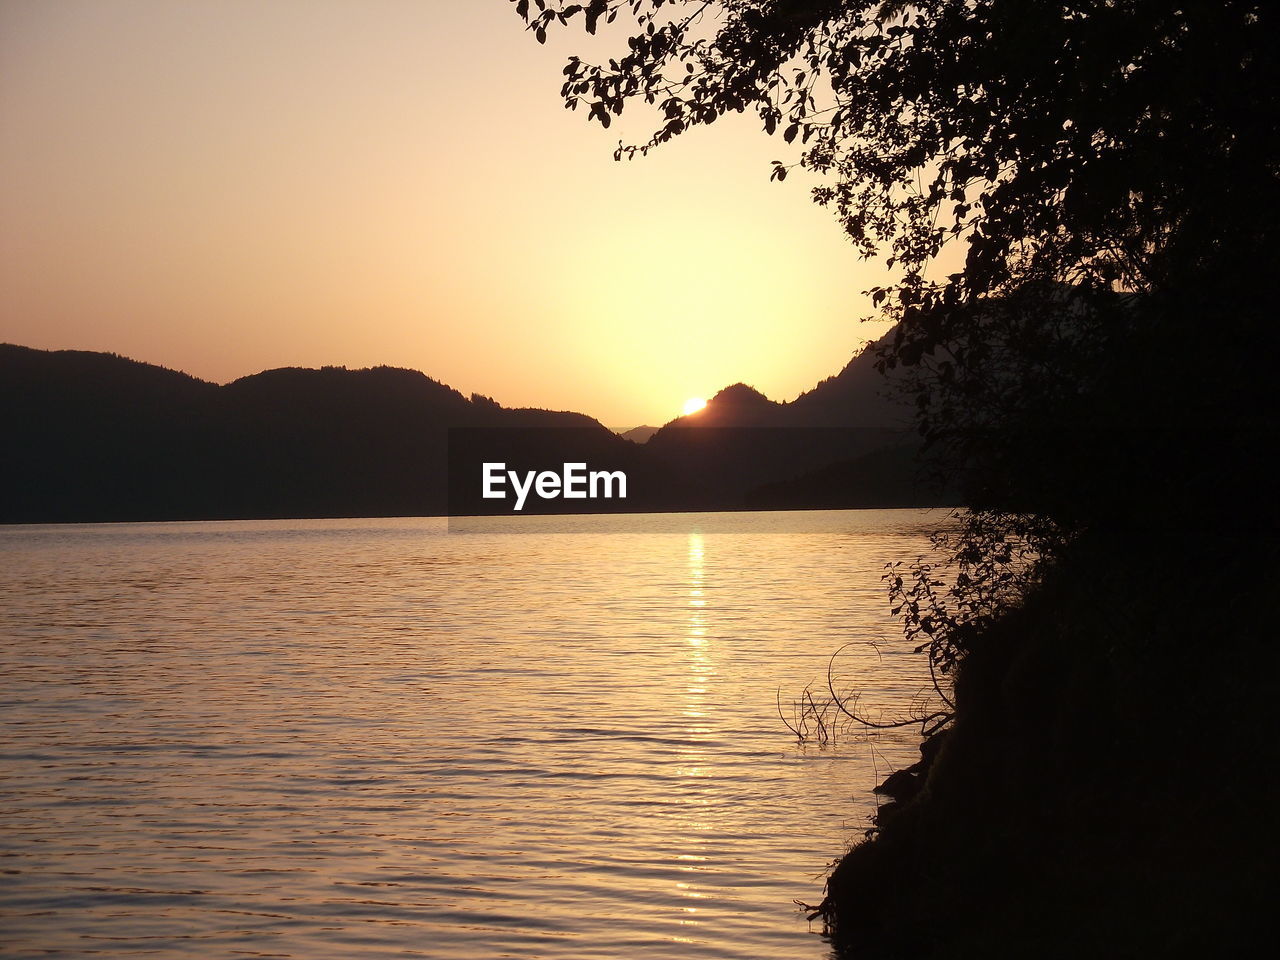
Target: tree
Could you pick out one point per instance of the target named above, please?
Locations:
(1110, 166)
(1086, 141)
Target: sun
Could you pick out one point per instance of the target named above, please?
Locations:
(693, 405)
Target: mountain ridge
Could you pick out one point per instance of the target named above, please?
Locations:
(94, 436)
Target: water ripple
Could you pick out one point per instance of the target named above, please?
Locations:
(326, 739)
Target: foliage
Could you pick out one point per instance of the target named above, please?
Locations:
(992, 560)
(1109, 167)
(1073, 139)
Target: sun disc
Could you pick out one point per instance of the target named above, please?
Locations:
(693, 405)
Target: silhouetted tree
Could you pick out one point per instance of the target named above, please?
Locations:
(1110, 166)
(1096, 141)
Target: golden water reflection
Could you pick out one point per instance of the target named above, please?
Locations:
(693, 761)
(522, 745)
(701, 669)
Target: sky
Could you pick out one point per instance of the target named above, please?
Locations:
(227, 186)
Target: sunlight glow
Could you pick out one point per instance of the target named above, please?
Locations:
(693, 405)
(340, 199)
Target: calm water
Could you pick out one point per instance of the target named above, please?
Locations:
(364, 738)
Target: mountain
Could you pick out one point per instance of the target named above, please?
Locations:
(848, 442)
(95, 436)
(99, 437)
(859, 396)
(638, 434)
(735, 406)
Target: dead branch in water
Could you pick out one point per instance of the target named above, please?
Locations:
(831, 714)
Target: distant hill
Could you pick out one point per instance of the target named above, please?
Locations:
(99, 437)
(95, 436)
(638, 434)
(858, 396)
(848, 442)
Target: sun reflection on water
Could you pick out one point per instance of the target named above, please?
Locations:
(701, 668)
(694, 761)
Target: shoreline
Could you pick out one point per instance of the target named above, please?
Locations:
(1088, 789)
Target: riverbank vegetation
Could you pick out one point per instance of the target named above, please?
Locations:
(1104, 787)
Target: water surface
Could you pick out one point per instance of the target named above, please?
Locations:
(364, 738)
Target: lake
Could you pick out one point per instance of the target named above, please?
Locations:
(366, 738)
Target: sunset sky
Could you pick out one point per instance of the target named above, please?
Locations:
(225, 186)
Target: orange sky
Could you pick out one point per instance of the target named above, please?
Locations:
(224, 186)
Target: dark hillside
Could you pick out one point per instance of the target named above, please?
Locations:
(1108, 786)
(97, 437)
(100, 437)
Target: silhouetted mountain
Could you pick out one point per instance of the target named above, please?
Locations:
(94, 436)
(735, 406)
(886, 476)
(638, 434)
(858, 396)
(848, 442)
